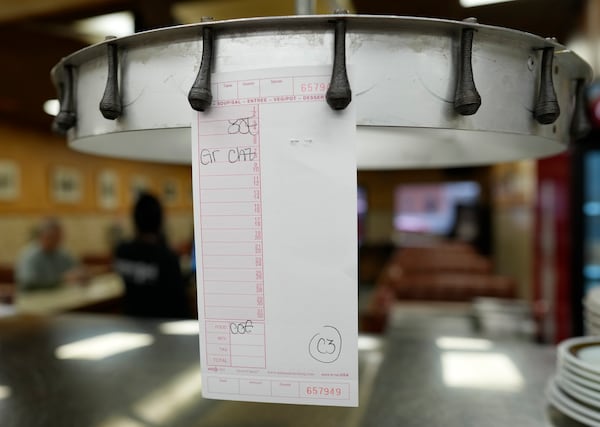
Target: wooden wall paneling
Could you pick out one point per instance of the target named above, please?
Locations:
(38, 153)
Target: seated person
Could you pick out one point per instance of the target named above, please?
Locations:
(154, 285)
(44, 264)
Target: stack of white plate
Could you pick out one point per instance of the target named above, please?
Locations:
(575, 390)
(591, 313)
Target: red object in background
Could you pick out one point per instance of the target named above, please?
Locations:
(552, 249)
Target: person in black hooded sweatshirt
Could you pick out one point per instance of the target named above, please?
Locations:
(154, 285)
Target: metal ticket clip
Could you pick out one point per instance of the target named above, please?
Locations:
(419, 101)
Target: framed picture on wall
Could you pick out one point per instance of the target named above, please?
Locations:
(107, 188)
(137, 185)
(67, 185)
(170, 191)
(10, 180)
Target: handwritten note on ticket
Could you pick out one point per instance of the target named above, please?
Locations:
(274, 172)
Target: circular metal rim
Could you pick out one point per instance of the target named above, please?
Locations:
(360, 26)
(580, 68)
(112, 142)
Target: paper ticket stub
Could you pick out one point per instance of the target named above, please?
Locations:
(274, 171)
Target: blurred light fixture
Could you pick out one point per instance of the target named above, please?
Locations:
(51, 107)
(95, 29)
(5, 392)
(121, 421)
(487, 371)
(180, 327)
(369, 343)
(463, 343)
(475, 3)
(162, 405)
(103, 346)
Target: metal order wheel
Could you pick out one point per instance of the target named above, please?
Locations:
(427, 92)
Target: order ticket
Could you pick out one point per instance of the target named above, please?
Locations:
(274, 182)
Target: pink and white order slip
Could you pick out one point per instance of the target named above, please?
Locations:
(274, 176)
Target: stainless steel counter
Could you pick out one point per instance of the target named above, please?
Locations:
(438, 371)
(422, 376)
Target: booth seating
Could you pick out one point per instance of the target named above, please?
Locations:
(95, 261)
(7, 273)
(7, 285)
(443, 273)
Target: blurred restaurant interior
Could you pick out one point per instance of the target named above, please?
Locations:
(504, 255)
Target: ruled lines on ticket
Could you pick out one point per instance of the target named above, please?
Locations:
(231, 237)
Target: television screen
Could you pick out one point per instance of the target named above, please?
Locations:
(432, 208)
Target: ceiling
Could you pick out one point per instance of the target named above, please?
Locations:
(37, 33)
